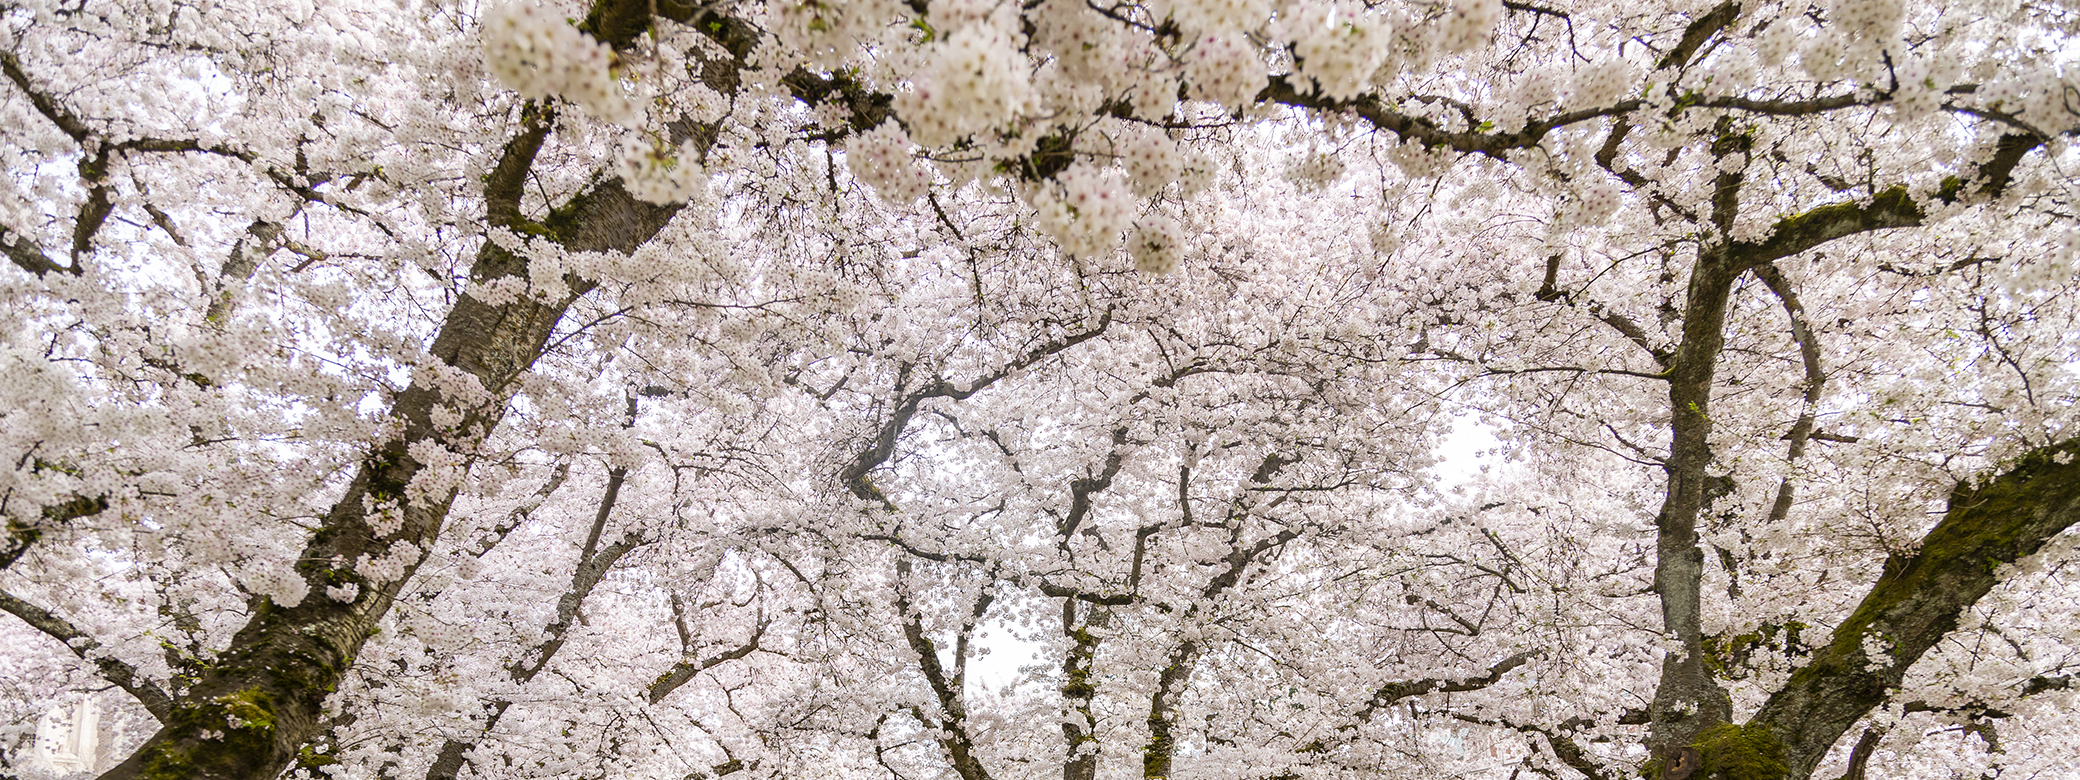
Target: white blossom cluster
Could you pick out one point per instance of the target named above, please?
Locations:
(827, 32)
(1340, 48)
(1779, 40)
(1315, 170)
(2046, 98)
(1532, 95)
(1868, 19)
(540, 55)
(1215, 15)
(1157, 244)
(1152, 160)
(1604, 82)
(657, 174)
(395, 562)
(1918, 76)
(881, 158)
(973, 80)
(1468, 24)
(1595, 199)
(279, 583)
(1420, 162)
(1084, 209)
(1152, 91)
(1086, 46)
(1224, 69)
(2055, 268)
(1877, 652)
(1854, 43)
(1385, 239)
(708, 395)
(947, 16)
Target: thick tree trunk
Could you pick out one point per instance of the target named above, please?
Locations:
(258, 703)
(1689, 717)
(1081, 762)
(1919, 598)
(1687, 699)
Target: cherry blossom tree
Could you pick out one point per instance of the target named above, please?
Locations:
(685, 390)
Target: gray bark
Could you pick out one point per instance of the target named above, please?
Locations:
(1687, 699)
(259, 702)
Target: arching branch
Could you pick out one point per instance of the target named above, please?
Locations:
(113, 669)
(1393, 693)
(1919, 597)
(1891, 208)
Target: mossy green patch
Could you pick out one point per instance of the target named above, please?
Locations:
(1989, 524)
(309, 758)
(251, 708)
(168, 762)
(1731, 752)
(1730, 656)
(1155, 759)
(1078, 686)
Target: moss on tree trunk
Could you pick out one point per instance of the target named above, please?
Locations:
(1918, 598)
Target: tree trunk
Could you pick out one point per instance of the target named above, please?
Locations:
(1687, 700)
(258, 703)
(1918, 599)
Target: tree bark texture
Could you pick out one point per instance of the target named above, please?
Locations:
(1687, 699)
(258, 703)
(1919, 598)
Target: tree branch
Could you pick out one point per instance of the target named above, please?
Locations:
(1918, 598)
(112, 669)
(1393, 693)
(507, 180)
(1281, 90)
(1860, 757)
(67, 123)
(953, 726)
(684, 671)
(492, 536)
(593, 565)
(883, 446)
(590, 570)
(1809, 356)
(1891, 208)
(1699, 31)
(1062, 592)
(1082, 489)
(21, 536)
(1564, 748)
(29, 257)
